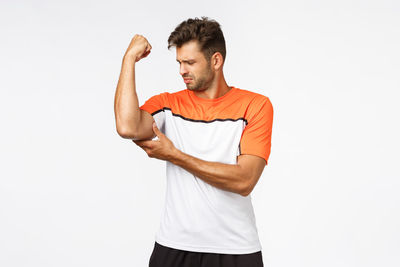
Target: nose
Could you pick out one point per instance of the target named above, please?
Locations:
(182, 69)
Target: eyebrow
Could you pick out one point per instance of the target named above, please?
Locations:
(186, 61)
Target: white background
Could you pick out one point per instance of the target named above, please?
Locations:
(74, 193)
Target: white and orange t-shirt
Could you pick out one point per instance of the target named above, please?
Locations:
(198, 216)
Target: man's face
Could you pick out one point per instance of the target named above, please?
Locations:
(194, 68)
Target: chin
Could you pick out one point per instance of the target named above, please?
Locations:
(192, 88)
(195, 88)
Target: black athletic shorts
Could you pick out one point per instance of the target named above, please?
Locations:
(163, 256)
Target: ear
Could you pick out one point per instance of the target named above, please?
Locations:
(217, 61)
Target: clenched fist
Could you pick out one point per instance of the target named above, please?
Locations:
(138, 48)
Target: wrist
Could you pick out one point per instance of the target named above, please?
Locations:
(175, 155)
(130, 58)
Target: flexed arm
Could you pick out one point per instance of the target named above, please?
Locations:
(132, 122)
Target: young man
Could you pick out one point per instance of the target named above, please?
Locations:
(216, 141)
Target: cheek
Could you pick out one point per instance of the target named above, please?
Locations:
(201, 72)
(192, 72)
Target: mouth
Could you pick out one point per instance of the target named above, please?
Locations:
(187, 80)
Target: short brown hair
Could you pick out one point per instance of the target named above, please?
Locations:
(206, 31)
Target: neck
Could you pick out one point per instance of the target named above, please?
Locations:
(217, 88)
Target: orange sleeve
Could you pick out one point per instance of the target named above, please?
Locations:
(154, 104)
(256, 136)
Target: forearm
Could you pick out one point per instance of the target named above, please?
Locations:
(126, 104)
(229, 177)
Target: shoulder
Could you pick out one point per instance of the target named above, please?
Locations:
(175, 98)
(252, 97)
(176, 94)
(165, 96)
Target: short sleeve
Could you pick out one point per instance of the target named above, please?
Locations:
(256, 136)
(155, 106)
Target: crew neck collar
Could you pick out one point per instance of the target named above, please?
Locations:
(213, 100)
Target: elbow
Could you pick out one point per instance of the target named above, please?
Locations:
(126, 128)
(244, 186)
(125, 133)
(245, 192)
(245, 189)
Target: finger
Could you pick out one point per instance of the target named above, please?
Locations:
(156, 130)
(142, 143)
(136, 142)
(145, 54)
(147, 50)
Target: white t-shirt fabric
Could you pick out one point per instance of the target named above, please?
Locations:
(197, 216)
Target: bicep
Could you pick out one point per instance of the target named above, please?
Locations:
(145, 129)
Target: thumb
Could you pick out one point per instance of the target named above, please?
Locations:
(156, 130)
